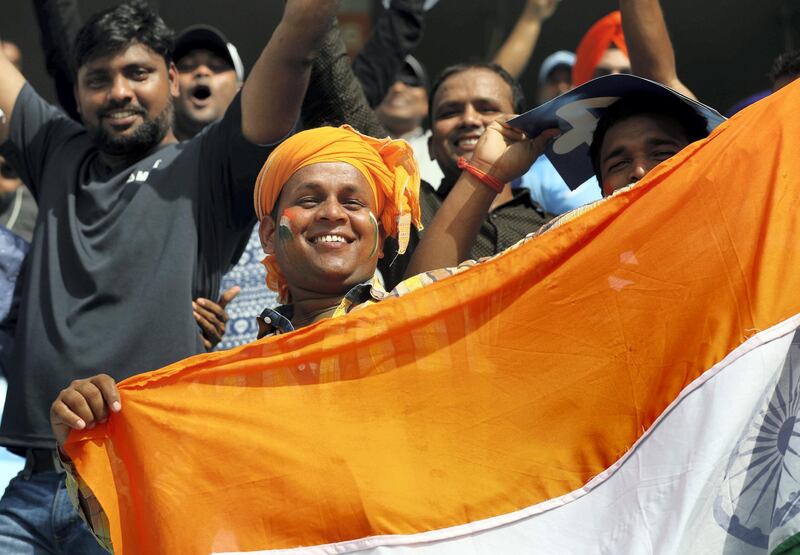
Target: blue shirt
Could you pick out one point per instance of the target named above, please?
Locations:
(552, 193)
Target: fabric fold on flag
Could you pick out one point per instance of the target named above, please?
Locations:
(644, 351)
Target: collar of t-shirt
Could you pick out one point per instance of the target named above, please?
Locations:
(274, 321)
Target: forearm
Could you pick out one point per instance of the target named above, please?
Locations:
(11, 83)
(59, 23)
(448, 239)
(649, 46)
(274, 91)
(515, 53)
(397, 32)
(334, 94)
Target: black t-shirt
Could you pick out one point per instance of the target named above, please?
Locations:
(117, 257)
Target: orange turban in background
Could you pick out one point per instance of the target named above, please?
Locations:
(388, 165)
(593, 45)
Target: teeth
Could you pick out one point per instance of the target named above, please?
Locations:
(468, 142)
(120, 115)
(329, 239)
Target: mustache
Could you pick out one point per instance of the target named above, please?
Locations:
(113, 106)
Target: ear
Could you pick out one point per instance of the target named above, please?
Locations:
(382, 240)
(77, 97)
(266, 232)
(172, 75)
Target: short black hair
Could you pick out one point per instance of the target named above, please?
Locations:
(517, 96)
(785, 65)
(113, 30)
(693, 124)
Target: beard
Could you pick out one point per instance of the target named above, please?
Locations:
(143, 139)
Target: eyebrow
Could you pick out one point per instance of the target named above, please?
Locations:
(653, 142)
(313, 186)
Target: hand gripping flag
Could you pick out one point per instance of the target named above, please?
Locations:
(628, 382)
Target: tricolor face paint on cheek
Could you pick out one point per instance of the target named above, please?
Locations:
(285, 232)
(376, 235)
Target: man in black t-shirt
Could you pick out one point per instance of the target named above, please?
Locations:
(133, 225)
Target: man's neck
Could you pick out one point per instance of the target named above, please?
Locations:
(307, 311)
(185, 132)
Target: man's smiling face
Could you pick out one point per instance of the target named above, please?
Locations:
(463, 107)
(125, 100)
(325, 238)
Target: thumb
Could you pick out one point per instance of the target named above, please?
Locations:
(228, 295)
(539, 143)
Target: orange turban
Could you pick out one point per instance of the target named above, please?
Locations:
(593, 45)
(388, 166)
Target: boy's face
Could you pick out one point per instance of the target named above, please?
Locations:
(634, 146)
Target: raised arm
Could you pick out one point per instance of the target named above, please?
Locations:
(515, 53)
(502, 153)
(274, 91)
(59, 23)
(334, 94)
(11, 82)
(649, 46)
(397, 32)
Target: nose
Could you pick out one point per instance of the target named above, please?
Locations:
(331, 210)
(398, 86)
(120, 91)
(470, 117)
(202, 70)
(638, 170)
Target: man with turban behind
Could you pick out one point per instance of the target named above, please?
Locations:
(604, 49)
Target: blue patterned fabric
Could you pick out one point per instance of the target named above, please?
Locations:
(12, 252)
(250, 275)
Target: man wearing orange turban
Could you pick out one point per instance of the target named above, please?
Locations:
(326, 198)
(602, 51)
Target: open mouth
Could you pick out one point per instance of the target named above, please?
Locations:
(201, 92)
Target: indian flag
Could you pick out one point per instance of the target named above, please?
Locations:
(626, 383)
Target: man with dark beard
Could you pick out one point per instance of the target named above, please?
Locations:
(133, 225)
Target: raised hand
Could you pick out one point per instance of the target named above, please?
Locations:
(541, 9)
(506, 153)
(211, 316)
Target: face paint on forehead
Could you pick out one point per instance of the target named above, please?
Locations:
(376, 235)
(285, 232)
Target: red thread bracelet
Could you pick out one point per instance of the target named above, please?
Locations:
(490, 181)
